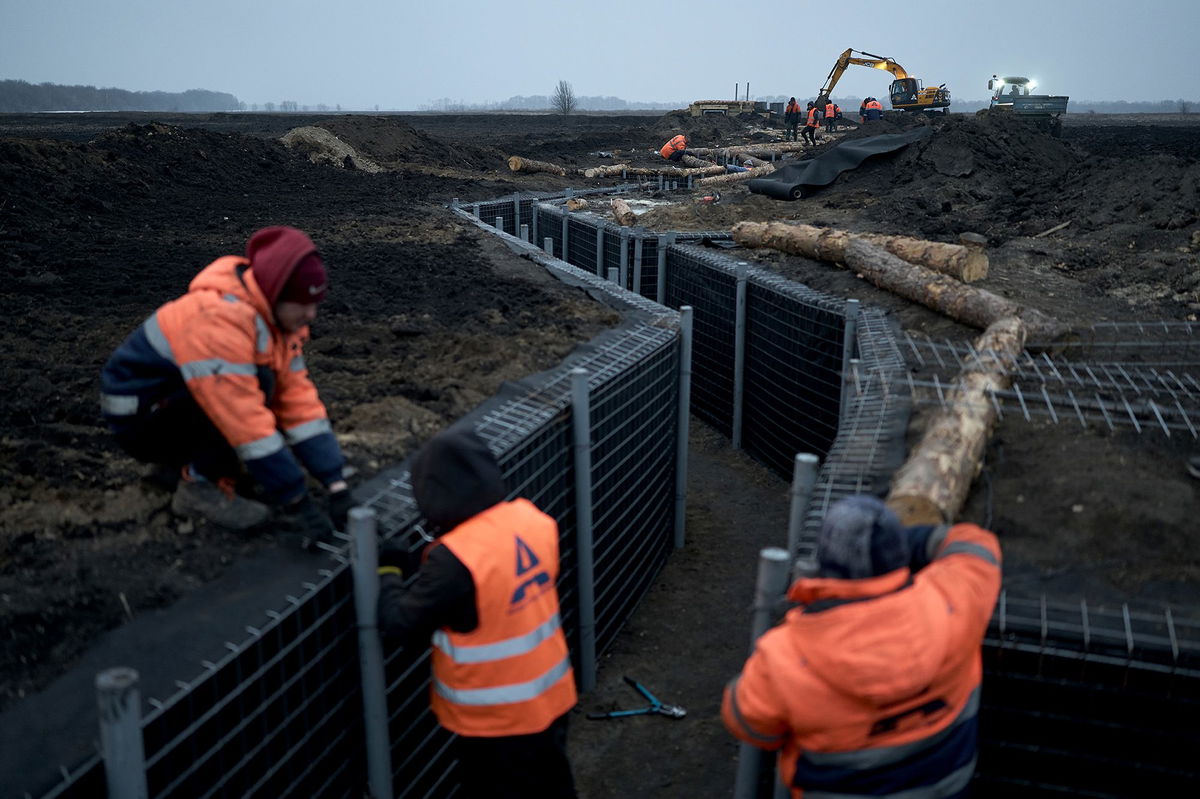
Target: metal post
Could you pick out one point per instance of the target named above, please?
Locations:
(364, 561)
(624, 267)
(624, 174)
(804, 477)
(660, 291)
(500, 223)
(739, 353)
(516, 211)
(689, 183)
(638, 240)
(565, 221)
(771, 583)
(124, 755)
(849, 389)
(849, 336)
(660, 182)
(581, 428)
(524, 232)
(600, 251)
(475, 212)
(548, 245)
(684, 416)
(454, 204)
(533, 223)
(613, 274)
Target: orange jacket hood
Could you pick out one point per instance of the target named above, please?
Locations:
(222, 276)
(855, 647)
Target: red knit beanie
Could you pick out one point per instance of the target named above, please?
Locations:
(308, 282)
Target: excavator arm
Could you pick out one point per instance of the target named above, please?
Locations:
(869, 60)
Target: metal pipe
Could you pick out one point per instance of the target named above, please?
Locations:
(804, 477)
(638, 240)
(600, 250)
(548, 245)
(121, 745)
(533, 223)
(739, 353)
(500, 223)
(566, 220)
(613, 274)
(581, 428)
(364, 562)
(623, 270)
(769, 587)
(660, 270)
(524, 232)
(516, 211)
(681, 424)
(849, 336)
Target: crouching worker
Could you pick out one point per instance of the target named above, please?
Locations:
(214, 385)
(485, 596)
(674, 149)
(871, 686)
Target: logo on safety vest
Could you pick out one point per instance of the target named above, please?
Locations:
(527, 561)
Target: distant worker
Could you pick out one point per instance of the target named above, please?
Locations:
(485, 595)
(213, 385)
(791, 119)
(675, 148)
(862, 110)
(811, 122)
(871, 685)
(831, 112)
(874, 109)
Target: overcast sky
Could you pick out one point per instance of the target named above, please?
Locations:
(404, 54)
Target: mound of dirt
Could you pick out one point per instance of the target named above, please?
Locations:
(322, 147)
(710, 130)
(392, 144)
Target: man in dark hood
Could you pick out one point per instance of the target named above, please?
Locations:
(214, 386)
(485, 597)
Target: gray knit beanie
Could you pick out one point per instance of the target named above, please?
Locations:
(861, 537)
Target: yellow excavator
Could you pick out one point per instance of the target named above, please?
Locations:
(907, 93)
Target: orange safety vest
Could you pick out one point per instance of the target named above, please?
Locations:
(793, 108)
(812, 118)
(875, 104)
(677, 143)
(830, 109)
(512, 674)
(881, 688)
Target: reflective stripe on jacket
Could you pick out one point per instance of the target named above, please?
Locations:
(219, 343)
(512, 674)
(871, 688)
(676, 143)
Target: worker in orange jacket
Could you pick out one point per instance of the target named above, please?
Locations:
(811, 122)
(674, 149)
(832, 112)
(791, 119)
(214, 386)
(874, 109)
(871, 685)
(484, 592)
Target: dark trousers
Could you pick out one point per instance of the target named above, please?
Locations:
(791, 131)
(517, 766)
(176, 433)
(810, 134)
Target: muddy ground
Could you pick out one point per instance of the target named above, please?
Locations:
(105, 216)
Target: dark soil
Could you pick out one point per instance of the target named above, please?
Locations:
(103, 217)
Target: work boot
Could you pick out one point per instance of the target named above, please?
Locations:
(1193, 466)
(218, 504)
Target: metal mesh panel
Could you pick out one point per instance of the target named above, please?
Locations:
(793, 371)
(711, 289)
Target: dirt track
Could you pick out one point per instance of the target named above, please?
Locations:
(101, 221)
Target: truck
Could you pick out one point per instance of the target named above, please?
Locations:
(1014, 94)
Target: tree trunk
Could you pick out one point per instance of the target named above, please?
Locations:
(622, 213)
(932, 485)
(967, 304)
(696, 163)
(641, 171)
(736, 177)
(966, 261)
(518, 164)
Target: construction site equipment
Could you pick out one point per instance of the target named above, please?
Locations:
(906, 92)
(655, 706)
(1013, 94)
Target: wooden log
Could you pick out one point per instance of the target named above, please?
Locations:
(622, 213)
(736, 177)
(966, 261)
(696, 163)
(744, 157)
(518, 164)
(641, 171)
(932, 485)
(576, 204)
(967, 304)
(757, 150)
(605, 171)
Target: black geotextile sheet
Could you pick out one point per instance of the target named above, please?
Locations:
(800, 179)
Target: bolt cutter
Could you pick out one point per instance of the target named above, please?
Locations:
(655, 706)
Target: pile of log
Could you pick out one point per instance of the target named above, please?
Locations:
(518, 164)
(736, 177)
(966, 261)
(614, 170)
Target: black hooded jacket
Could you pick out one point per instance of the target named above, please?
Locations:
(454, 477)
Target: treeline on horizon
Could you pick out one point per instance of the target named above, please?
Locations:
(18, 96)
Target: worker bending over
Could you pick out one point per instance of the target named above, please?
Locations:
(214, 386)
(674, 149)
(485, 596)
(871, 685)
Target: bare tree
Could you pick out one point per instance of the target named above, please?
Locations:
(563, 101)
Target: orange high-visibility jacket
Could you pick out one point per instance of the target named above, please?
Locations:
(792, 108)
(512, 674)
(249, 377)
(675, 144)
(830, 110)
(812, 117)
(875, 682)
(875, 104)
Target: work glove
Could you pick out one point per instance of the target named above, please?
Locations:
(304, 522)
(396, 558)
(340, 504)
